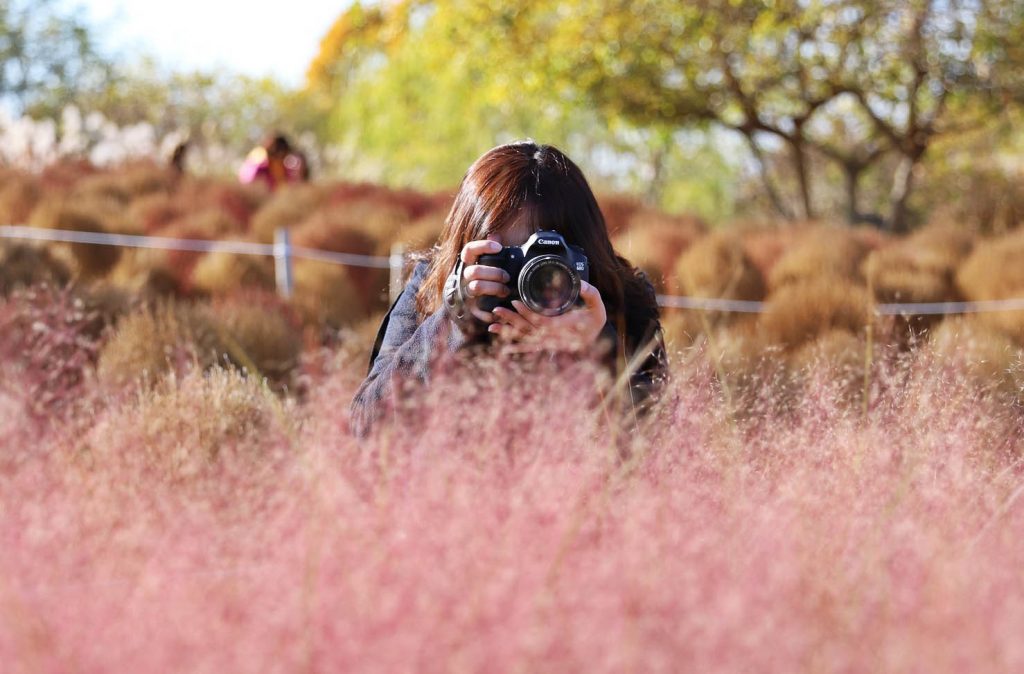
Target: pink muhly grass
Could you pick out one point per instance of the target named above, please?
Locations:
(49, 341)
(505, 525)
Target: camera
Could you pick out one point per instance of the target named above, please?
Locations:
(545, 274)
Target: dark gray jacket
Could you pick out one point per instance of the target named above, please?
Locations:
(407, 345)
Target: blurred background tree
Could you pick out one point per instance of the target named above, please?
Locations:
(48, 58)
(420, 89)
(206, 106)
(792, 109)
(858, 87)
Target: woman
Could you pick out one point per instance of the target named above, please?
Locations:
(508, 194)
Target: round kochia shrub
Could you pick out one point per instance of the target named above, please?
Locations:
(286, 208)
(160, 339)
(185, 428)
(654, 241)
(919, 268)
(798, 313)
(822, 252)
(83, 215)
(19, 195)
(995, 271)
(326, 294)
(983, 354)
(325, 230)
(220, 273)
(265, 329)
(717, 266)
(23, 265)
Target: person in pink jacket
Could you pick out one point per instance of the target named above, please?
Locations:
(276, 162)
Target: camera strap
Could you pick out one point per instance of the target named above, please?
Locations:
(454, 294)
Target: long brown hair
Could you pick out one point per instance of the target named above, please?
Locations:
(541, 184)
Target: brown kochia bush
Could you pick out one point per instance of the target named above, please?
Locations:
(325, 294)
(618, 211)
(654, 241)
(167, 337)
(681, 327)
(324, 230)
(83, 215)
(208, 224)
(152, 212)
(190, 427)
(919, 268)
(23, 265)
(239, 202)
(379, 221)
(766, 244)
(146, 272)
(422, 233)
(718, 266)
(126, 183)
(822, 252)
(19, 195)
(838, 353)
(798, 313)
(288, 207)
(267, 332)
(219, 273)
(991, 359)
(995, 271)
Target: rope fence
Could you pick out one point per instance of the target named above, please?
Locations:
(284, 254)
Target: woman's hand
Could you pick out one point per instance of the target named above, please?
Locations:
(480, 280)
(574, 330)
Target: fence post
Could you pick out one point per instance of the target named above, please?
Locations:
(283, 262)
(396, 267)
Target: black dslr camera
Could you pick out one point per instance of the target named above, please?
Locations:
(545, 274)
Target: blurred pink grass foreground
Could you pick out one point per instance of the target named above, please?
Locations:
(208, 527)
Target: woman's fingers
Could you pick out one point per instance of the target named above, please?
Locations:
(479, 272)
(502, 330)
(472, 251)
(532, 317)
(592, 299)
(481, 315)
(513, 320)
(480, 288)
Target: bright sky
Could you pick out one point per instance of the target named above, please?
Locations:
(257, 37)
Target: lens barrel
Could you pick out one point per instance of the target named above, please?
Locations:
(549, 285)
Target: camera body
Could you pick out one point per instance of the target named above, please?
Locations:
(545, 274)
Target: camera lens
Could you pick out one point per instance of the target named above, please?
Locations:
(548, 286)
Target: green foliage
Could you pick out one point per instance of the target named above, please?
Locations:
(47, 56)
(236, 110)
(422, 89)
(849, 92)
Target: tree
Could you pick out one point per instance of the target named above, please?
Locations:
(212, 105)
(421, 89)
(47, 58)
(893, 74)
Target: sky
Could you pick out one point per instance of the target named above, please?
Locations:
(258, 37)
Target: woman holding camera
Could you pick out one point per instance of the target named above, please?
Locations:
(454, 299)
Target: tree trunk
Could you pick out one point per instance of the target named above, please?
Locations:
(652, 195)
(800, 165)
(902, 186)
(769, 187)
(851, 174)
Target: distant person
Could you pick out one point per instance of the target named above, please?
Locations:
(276, 162)
(178, 158)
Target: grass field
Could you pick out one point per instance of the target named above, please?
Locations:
(179, 489)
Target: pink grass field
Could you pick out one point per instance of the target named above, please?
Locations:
(205, 526)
